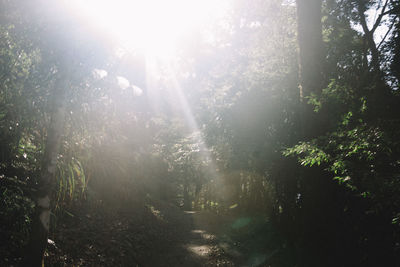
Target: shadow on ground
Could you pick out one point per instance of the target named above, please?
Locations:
(155, 234)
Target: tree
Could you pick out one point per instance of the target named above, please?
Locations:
(311, 56)
(33, 255)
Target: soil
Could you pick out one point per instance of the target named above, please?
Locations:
(152, 234)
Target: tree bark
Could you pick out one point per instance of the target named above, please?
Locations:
(34, 250)
(310, 46)
(302, 205)
(310, 56)
(187, 204)
(369, 37)
(381, 92)
(199, 186)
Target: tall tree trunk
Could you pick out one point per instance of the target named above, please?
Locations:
(309, 34)
(33, 255)
(310, 46)
(312, 183)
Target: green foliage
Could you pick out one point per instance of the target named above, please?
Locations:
(344, 150)
(237, 145)
(309, 154)
(71, 181)
(16, 209)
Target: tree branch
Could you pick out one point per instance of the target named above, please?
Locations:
(368, 35)
(363, 20)
(379, 19)
(387, 33)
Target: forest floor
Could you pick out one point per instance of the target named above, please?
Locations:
(155, 234)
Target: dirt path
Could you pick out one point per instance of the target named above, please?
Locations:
(158, 235)
(197, 247)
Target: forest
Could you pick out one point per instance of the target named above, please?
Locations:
(200, 133)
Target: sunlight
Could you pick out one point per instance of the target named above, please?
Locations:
(152, 26)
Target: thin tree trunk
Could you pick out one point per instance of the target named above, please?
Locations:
(198, 188)
(33, 255)
(381, 93)
(187, 204)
